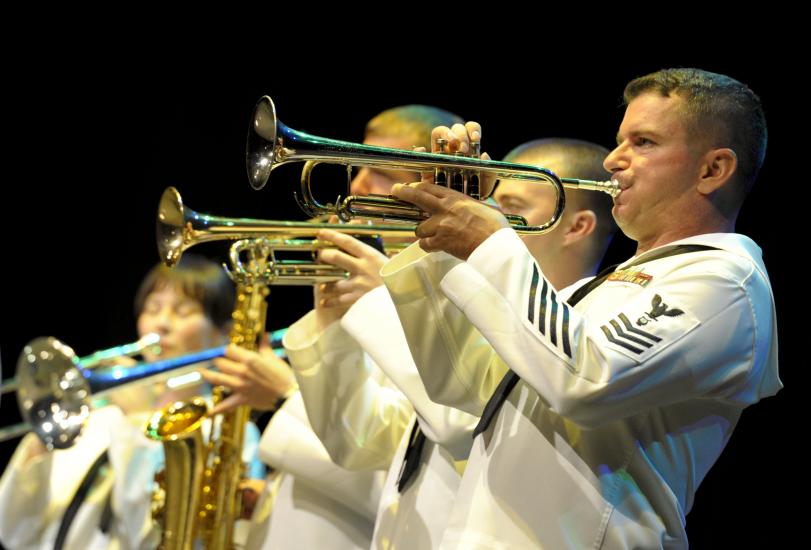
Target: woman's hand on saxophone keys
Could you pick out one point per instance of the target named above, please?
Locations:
(256, 379)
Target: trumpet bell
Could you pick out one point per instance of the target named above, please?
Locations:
(170, 227)
(261, 145)
(179, 228)
(271, 144)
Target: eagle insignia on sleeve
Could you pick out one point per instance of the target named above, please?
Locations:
(648, 324)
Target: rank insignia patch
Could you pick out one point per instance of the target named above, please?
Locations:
(647, 325)
(631, 276)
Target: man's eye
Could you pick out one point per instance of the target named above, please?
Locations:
(512, 206)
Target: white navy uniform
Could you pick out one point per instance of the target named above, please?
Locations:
(34, 494)
(367, 414)
(312, 502)
(625, 401)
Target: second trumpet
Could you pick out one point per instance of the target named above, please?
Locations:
(179, 228)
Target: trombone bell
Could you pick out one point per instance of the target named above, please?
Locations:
(53, 395)
(55, 389)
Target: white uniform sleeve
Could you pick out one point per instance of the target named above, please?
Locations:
(289, 444)
(373, 323)
(25, 494)
(134, 460)
(35, 492)
(691, 334)
(458, 367)
(353, 408)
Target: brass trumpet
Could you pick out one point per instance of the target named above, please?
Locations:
(271, 144)
(293, 262)
(180, 228)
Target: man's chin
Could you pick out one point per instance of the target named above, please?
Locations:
(621, 216)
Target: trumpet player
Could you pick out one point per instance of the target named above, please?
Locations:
(354, 411)
(317, 503)
(425, 472)
(605, 403)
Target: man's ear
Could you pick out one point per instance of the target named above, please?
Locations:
(581, 225)
(718, 167)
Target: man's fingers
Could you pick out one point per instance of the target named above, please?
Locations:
(474, 130)
(462, 141)
(419, 196)
(440, 132)
(347, 243)
(427, 228)
(338, 258)
(430, 244)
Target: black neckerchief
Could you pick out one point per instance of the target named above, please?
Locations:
(411, 459)
(78, 498)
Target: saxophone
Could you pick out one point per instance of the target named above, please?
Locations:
(198, 498)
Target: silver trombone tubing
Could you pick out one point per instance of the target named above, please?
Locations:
(63, 384)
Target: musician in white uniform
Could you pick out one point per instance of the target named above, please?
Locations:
(357, 412)
(606, 404)
(317, 502)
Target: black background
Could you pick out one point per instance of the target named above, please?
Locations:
(91, 143)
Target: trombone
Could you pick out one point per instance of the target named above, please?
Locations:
(54, 387)
(151, 340)
(271, 144)
(43, 357)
